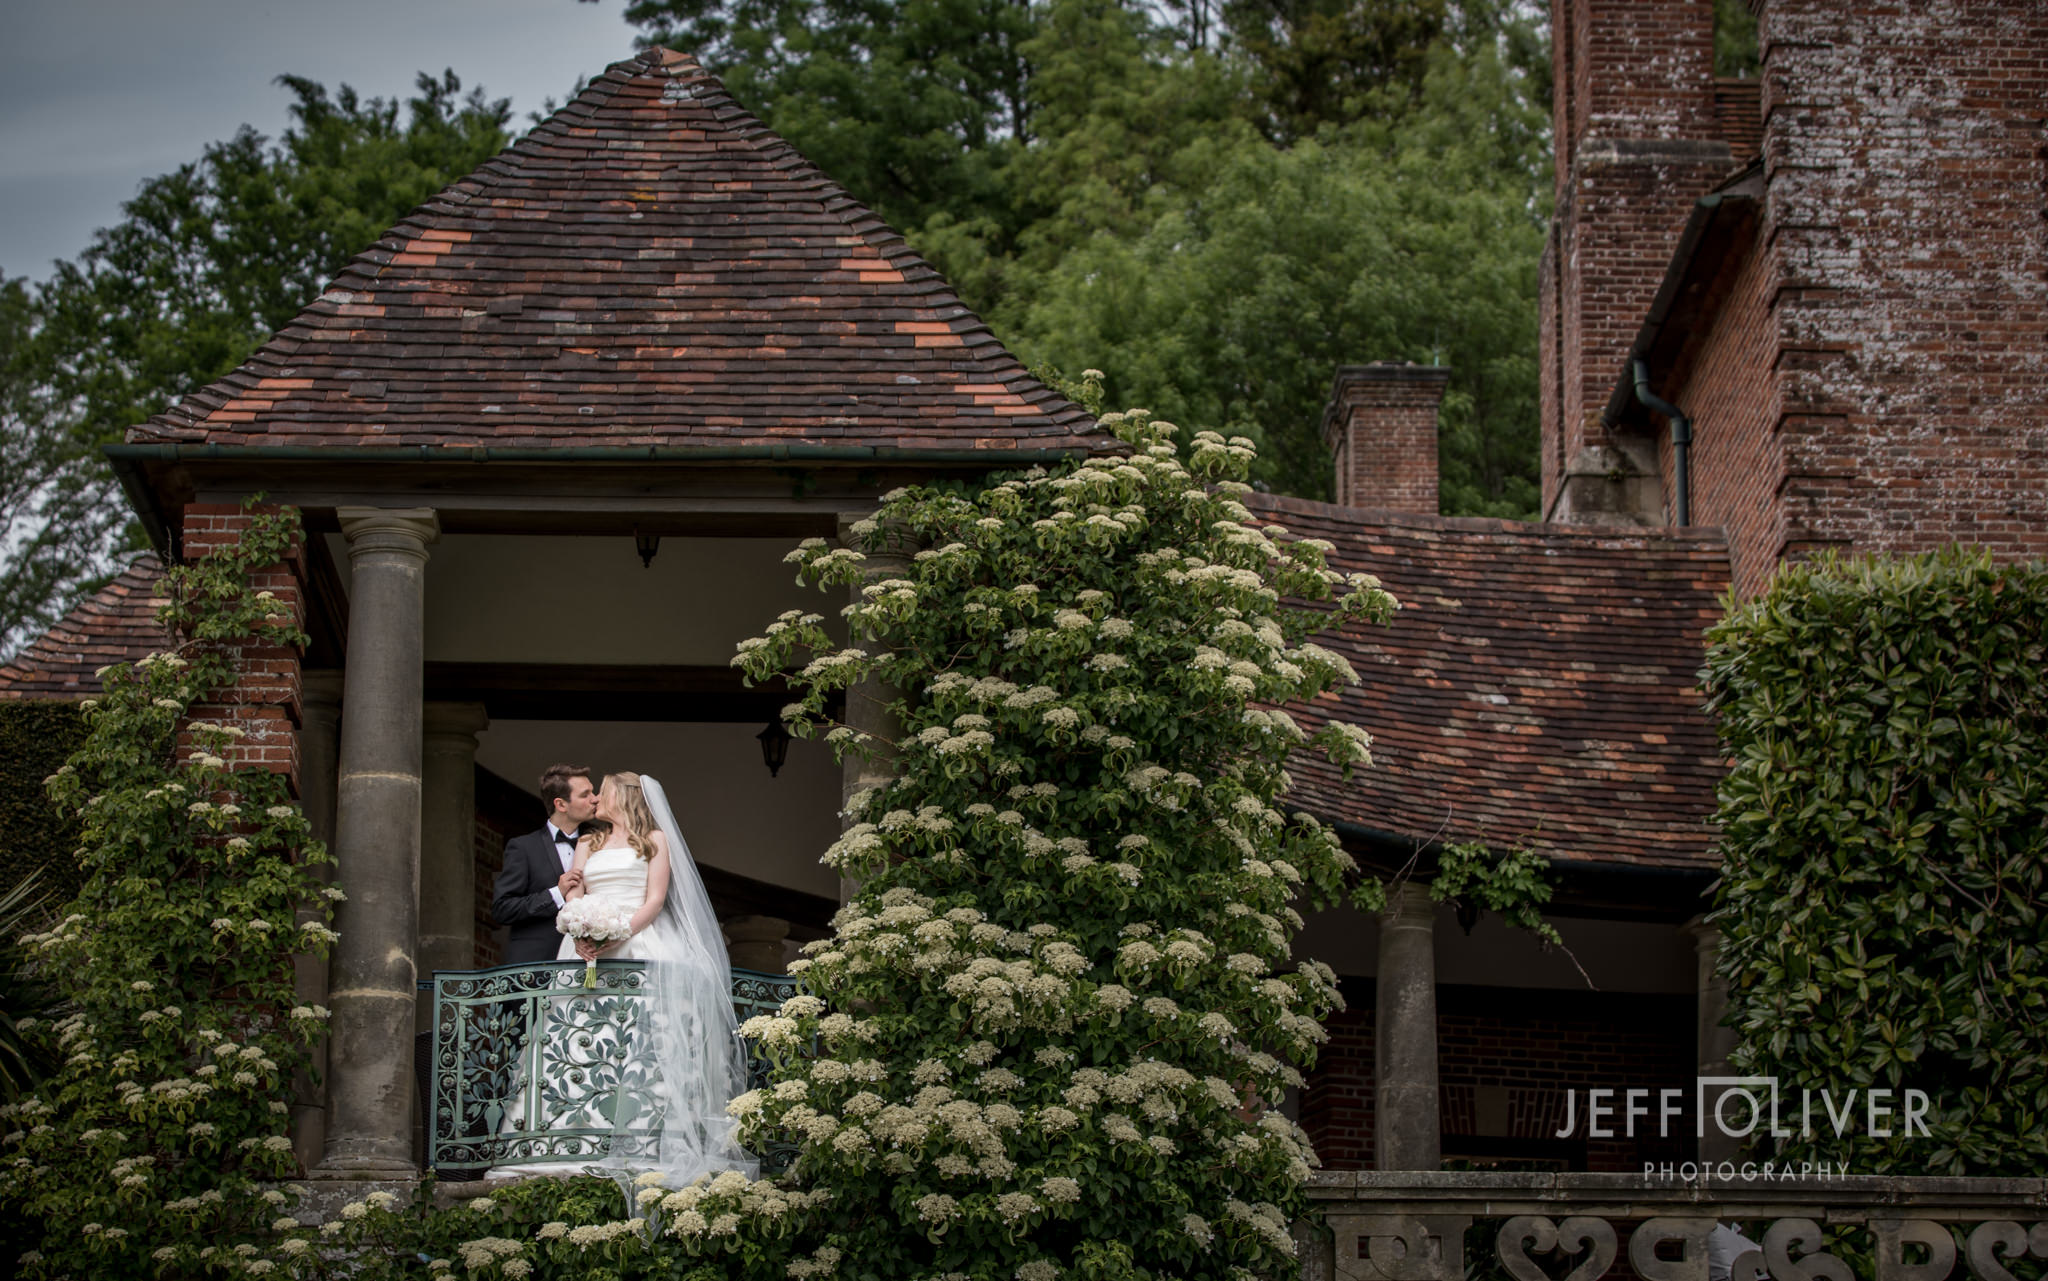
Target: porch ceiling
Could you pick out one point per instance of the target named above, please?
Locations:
(619, 692)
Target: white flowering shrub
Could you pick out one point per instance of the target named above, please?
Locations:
(1054, 1026)
(144, 1154)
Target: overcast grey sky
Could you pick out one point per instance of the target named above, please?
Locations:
(98, 95)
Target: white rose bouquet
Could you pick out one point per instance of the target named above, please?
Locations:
(595, 920)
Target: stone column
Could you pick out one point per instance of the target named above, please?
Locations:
(1715, 1043)
(377, 847)
(756, 942)
(319, 743)
(448, 842)
(1405, 1122)
(867, 703)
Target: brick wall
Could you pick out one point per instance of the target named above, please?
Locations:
(1877, 379)
(1381, 427)
(1905, 159)
(1505, 1057)
(1729, 388)
(264, 701)
(1639, 140)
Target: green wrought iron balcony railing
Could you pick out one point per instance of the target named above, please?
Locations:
(528, 1067)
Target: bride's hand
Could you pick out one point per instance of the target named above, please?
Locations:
(586, 949)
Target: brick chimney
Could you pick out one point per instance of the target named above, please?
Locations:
(1380, 425)
(1638, 141)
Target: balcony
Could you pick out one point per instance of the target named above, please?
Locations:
(528, 1067)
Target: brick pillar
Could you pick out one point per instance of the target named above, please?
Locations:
(264, 702)
(1380, 426)
(1638, 141)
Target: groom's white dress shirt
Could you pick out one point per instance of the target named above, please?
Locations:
(566, 853)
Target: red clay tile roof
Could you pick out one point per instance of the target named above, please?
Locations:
(1539, 684)
(115, 625)
(650, 266)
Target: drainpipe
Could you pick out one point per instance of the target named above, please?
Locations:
(1681, 439)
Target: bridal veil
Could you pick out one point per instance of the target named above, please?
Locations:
(686, 1061)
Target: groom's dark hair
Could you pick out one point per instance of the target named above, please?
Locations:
(555, 781)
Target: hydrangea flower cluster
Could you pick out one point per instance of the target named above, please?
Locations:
(1051, 1033)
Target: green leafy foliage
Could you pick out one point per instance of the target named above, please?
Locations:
(1514, 884)
(36, 738)
(22, 1062)
(1885, 845)
(205, 264)
(1056, 1020)
(143, 1153)
(1735, 39)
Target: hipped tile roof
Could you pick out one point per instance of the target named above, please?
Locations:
(1539, 685)
(117, 624)
(650, 266)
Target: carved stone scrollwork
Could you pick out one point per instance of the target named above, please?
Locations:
(1892, 1236)
(1400, 1247)
(2002, 1237)
(1813, 1264)
(1691, 1237)
(1525, 1233)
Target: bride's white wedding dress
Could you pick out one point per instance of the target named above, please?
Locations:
(680, 1060)
(619, 876)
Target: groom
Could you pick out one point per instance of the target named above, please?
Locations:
(536, 876)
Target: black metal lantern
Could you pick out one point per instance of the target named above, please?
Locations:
(646, 545)
(774, 746)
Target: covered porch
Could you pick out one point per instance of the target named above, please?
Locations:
(451, 662)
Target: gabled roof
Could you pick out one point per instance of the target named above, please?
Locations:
(117, 624)
(1539, 685)
(650, 266)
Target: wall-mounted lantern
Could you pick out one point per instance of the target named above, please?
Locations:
(774, 746)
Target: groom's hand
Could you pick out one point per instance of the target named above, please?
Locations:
(571, 880)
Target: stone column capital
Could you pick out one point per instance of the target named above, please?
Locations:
(404, 531)
(1410, 904)
(454, 724)
(1705, 936)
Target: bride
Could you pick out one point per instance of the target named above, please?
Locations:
(685, 1061)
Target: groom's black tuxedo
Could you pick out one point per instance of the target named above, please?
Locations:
(521, 900)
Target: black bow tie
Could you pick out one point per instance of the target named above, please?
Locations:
(560, 837)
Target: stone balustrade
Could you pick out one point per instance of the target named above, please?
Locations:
(1808, 1225)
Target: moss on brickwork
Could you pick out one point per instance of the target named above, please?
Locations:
(35, 739)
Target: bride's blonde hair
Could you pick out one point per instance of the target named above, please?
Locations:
(632, 808)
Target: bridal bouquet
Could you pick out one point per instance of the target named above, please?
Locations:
(597, 920)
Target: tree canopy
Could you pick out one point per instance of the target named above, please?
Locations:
(206, 262)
